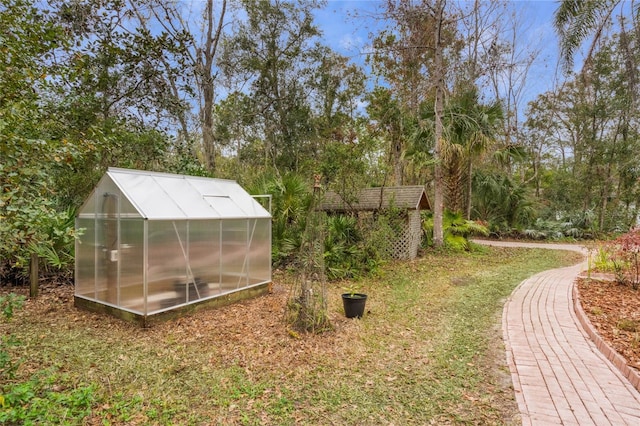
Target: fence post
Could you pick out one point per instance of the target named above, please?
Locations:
(33, 275)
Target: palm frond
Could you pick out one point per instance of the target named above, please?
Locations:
(575, 20)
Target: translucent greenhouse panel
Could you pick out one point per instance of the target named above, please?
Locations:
(224, 206)
(105, 194)
(234, 254)
(128, 210)
(167, 274)
(204, 258)
(107, 245)
(149, 196)
(131, 257)
(86, 258)
(247, 203)
(186, 196)
(89, 206)
(259, 251)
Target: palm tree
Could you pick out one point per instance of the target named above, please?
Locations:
(290, 205)
(575, 20)
(501, 201)
(471, 128)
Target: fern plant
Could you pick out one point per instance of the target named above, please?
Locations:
(57, 250)
(456, 229)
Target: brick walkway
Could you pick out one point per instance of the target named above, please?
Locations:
(559, 376)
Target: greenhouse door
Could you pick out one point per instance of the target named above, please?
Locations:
(110, 251)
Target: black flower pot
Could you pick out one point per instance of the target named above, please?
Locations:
(354, 304)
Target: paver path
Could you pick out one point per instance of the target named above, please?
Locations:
(559, 376)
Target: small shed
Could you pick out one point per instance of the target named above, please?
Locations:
(410, 199)
(152, 243)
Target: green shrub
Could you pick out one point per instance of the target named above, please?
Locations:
(356, 247)
(627, 248)
(346, 253)
(603, 260)
(289, 208)
(456, 230)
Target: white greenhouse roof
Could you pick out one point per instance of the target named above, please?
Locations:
(169, 196)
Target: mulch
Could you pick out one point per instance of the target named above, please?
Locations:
(614, 310)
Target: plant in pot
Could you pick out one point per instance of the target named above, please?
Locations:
(353, 302)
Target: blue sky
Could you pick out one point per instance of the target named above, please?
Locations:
(348, 35)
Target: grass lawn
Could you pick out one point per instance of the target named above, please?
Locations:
(428, 351)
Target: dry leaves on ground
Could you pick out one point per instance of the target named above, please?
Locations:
(251, 334)
(614, 310)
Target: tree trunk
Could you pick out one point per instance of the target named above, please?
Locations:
(198, 60)
(397, 160)
(469, 186)
(438, 207)
(206, 77)
(206, 117)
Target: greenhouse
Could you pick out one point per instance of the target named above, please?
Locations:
(155, 243)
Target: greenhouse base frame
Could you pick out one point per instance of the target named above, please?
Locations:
(149, 320)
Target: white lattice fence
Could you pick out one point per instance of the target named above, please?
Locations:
(405, 246)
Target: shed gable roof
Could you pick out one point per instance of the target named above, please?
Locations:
(368, 199)
(170, 196)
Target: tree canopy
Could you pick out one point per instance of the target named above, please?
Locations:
(251, 90)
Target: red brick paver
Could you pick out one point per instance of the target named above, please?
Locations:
(559, 375)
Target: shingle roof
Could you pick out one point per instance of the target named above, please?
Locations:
(404, 197)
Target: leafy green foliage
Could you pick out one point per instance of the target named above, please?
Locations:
(28, 157)
(29, 36)
(357, 247)
(575, 21)
(57, 249)
(272, 56)
(345, 164)
(290, 204)
(27, 212)
(603, 259)
(457, 230)
(470, 129)
(41, 399)
(574, 226)
(344, 247)
(54, 143)
(500, 201)
(595, 168)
